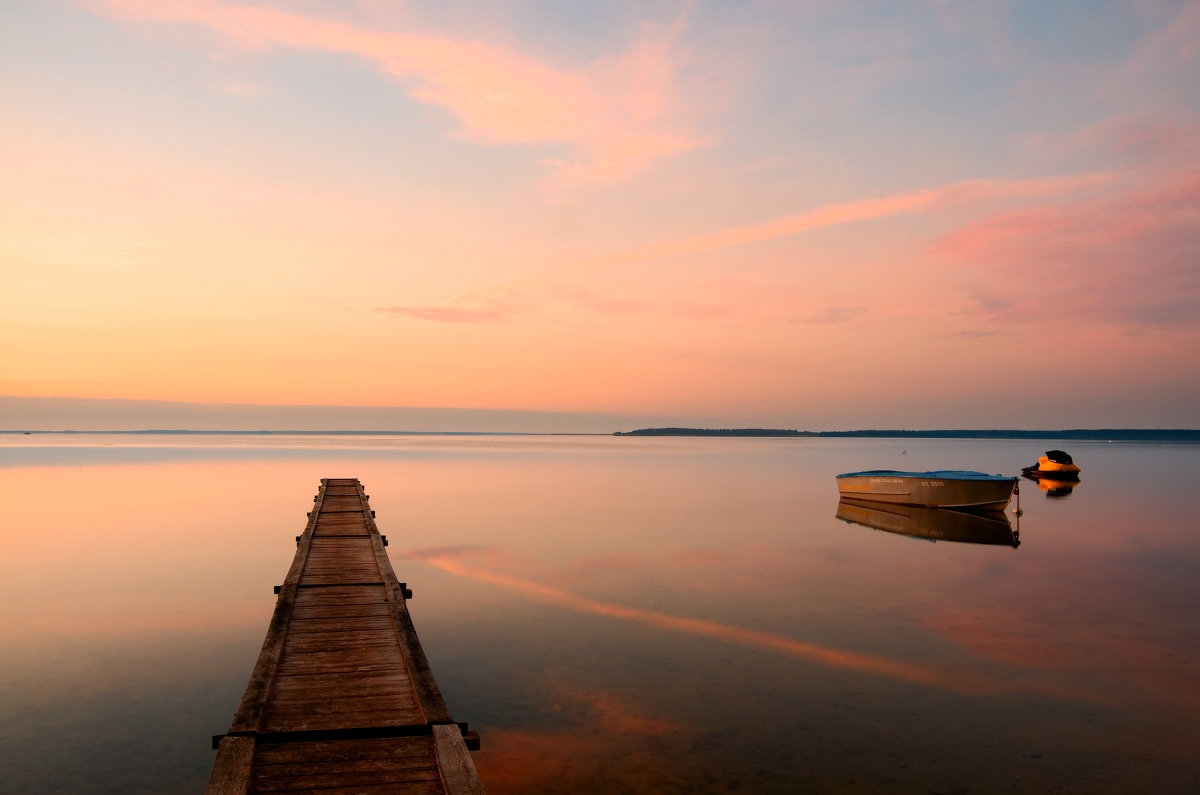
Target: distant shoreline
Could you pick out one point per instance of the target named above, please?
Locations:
(1079, 434)
(182, 432)
(1082, 434)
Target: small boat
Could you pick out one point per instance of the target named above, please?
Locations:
(934, 524)
(944, 488)
(1055, 464)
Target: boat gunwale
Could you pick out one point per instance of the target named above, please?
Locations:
(936, 474)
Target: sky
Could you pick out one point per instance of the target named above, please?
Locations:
(815, 215)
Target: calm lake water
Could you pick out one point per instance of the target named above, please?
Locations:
(619, 614)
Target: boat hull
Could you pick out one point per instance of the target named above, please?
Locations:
(940, 489)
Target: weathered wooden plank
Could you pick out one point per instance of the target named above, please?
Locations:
(299, 720)
(422, 768)
(342, 522)
(352, 519)
(367, 590)
(334, 559)
(315, 626)
(330, 558)
(342, 714)
(328, 537)
(395, 703)
(343, 544)
(354, 503)
(346, 778)
(335, 750)
(341, 548)
(348, 632)
(340, 663)
(376, 593)
(388, 692)
(459, 776)
(350, 577)
(351, 610)
(335, 562)
(310, 643)
(232, 767)
(342, 659)
(331, 601)
(411, 788)
(382, 680)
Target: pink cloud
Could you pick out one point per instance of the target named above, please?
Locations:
(614, 115)
(1126, 258)
(1175, 45)
(833, 315)
(944, 198)
(444, 314)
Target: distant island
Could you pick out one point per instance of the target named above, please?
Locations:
(713, 432)
(1086, 434)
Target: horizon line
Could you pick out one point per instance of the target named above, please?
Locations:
(1082, 434)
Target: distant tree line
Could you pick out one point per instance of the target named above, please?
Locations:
(1085, 434)
(712, 432)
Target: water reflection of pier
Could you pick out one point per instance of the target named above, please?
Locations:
(934, 524)
(342, 698)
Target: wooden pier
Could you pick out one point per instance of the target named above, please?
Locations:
(342, 698)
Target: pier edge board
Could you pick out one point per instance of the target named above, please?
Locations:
(231, 769)
(458, 772)
(250, 711)
(419, 670)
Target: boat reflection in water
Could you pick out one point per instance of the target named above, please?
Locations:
(1055, 488)
(934, 524)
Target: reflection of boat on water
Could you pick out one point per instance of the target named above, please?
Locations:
(935, 524)
(1055, 487)
(1054, 465)
(938, 489)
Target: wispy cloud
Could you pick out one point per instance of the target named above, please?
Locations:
(833, 315)
(614, 114)
(1172, 46)
(958, 193)
(1126, 258)
(443, 314)
(969, 192)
